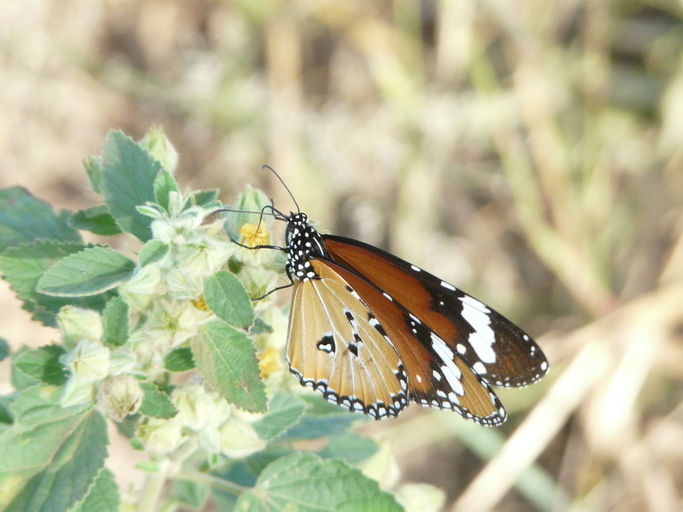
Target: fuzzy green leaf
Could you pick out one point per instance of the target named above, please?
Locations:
(50, 465)
(115, 322)
(128, 175)
(43, 364)
(179, 360)
(349, 446)
(156, 403)
(284, 410)
(164, 184)
(23, 218)
(103, 496)
(93, 168)
(96, 219)
(152, 252)
(227, 298)
(4, 349)
(89, 272)
(304, 482)
(25, 264)
(190, 493)
(226, 358)
(203, 198)
(321, 419)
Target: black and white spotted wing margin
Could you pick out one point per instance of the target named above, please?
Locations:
(372, 332)
(337, 347)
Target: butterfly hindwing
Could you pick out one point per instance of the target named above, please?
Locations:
(337, 347)
(372, 332)
(496, 349)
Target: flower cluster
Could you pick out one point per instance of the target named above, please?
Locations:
(165, 301)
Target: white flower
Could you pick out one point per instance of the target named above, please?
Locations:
(239, 439)
(160, 436)
(198, 408)
(78, 324)
(89, 361)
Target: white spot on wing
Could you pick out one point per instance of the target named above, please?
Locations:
(448, 286)
(450, 371)
(483, 337)
(479, 368)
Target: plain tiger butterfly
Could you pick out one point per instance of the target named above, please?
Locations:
(373, 333)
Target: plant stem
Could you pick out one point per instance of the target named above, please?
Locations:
(214, 481)
(154, 483)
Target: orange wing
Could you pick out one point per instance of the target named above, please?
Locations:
(335, 346)
(495, 348)
(436, 376)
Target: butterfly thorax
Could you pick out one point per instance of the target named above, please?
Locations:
(303, 244)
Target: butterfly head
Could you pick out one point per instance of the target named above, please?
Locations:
(303, 243)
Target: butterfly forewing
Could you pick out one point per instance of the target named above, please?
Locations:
(337, 347)
(491, 345)
(437, 377)
(372, 332)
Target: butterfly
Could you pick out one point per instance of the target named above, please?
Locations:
(373, 333)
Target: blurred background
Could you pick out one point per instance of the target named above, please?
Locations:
(527, 151)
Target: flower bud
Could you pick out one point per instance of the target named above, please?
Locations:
(119, 396)
(89, 361)
(198, 408)
(160, 436)
(78, 324)
(157, 144)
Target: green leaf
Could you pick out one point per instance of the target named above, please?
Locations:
(128, 175)
(350, 447)
(115, 322)
(89, 272)
(51, 465)
(43, 364)
(93, 168)
(152, 252)
(164, 184)
(37, 404)
(305, 483)
(103, 496)
(321, 419)
(156, 403)
(6, 415)
(189, 493)
(179, 360)
(284, 410)
(226, 358)
(23, 218)
(227, 298)
(260, 327)
(25, 264)
(18, 378)
(203, 198)
(96, 219)
(4, 349)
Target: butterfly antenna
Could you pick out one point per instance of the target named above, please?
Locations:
(283, 184)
